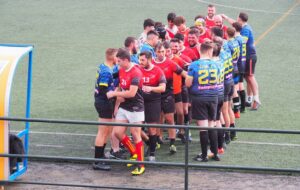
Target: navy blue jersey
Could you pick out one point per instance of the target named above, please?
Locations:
(221, 73)
(104, 82)
(205, 78)
(225, 56)
(234, 48)
(242, 59)
(247, 34)
(147, 47)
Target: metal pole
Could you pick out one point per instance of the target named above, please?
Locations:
(186, 164)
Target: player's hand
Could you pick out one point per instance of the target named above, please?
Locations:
(224, 16)
(110, 94)
(147, 89)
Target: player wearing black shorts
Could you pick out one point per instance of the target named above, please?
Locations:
(203, 83)
(104, 107)
(154, 83)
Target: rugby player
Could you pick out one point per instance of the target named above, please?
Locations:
(104, 107)
(154, 83)
(219, 23)
(241, 64)
(185, 50)
(167, 100)
(171, 28)
(209, 20)
(131, 44)
(179, 21)
(193, 40)
(152, 40)
(203, 83)
(148, 26)
(251, 59)
(204, 32)
(131, 110)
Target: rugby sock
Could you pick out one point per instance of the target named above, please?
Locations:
(220, 138)
(99, 151)
(152, 139)
(140, 152)
(147, 142)
(243, 99)
(232, 133)
(127, 143)
(223, 125)
(236, 104)
(203, 142)
(249, 99)
(213, 139)
(186, 119)
(172, 141)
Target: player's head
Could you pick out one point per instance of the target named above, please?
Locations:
(193, 37)
(216, 32)
(242, 18)
(160, 51)
(218, 40)
(152, 38)
(218, 21)
(211, 11)
(110, 55)
(168, 49)
(230, 32)
(180, 37)
(160, 29)
(174, 44)
(206, 49)
(200, 24)
(170, 19)
(199, 16)
(131, 44)
(123, 58)
(148, 24)
(145, 59)
(179, 21)
(216, 49)
(237, 26)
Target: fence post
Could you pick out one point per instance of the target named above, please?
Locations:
(186, 159)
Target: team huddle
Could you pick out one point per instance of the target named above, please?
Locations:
(176, 74)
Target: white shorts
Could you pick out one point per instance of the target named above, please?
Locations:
(131, 117)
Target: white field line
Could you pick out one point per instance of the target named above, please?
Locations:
(55, 133)
(266, 143)
(246, 9)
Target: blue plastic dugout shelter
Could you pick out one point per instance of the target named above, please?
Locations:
(10, 55)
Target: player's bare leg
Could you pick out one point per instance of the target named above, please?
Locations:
(169, 118)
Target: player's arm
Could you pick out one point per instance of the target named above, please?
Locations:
(126, 93)
(157, 89)
(230, 20)
(190, 76)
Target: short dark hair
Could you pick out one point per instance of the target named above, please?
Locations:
(179, 36)
(123, 54)
(148, 22)
(179, 20)
(152, 32)
(206, 46)
(211, 5)
(216, 49)
(195, 31)
(199, 16)
(166, 45)
(243, 16)
(171, 17)
(174, 40)
(158, 46)
(217, 31)
(147, 54)
(230, 31)
(129, 40)
(237, 26)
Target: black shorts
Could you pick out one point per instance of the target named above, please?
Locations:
(152, 111)
(105, 109)
(168, 104)
(185, 94)
(177, 97)
(219, 107)
(250, 64)
(228, 91)
(204, 110)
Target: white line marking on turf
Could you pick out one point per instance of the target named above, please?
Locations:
(48, 145)
(241, 8)
(266, 143)
(55, 133)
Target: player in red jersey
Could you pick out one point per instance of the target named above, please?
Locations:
(168, 104)
(171, 28)
(204, 32)
(193, 40)
(131, 110)
(219, 23)
(209, 20)
(185, 50)
(154, 83)
(179, 21)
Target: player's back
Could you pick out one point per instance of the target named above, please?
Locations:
(234, 47)
(248, 36)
